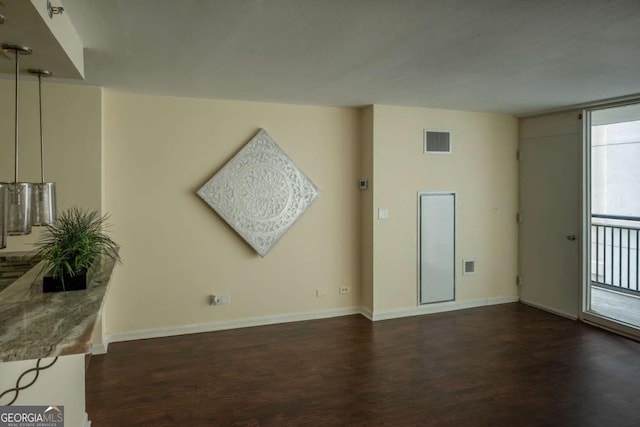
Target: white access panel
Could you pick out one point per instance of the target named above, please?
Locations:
(437, 247)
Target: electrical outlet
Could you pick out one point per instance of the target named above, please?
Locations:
(345, 289)
(219, 299)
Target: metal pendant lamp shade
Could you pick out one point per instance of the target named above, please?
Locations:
(19, 208)
(43, 203)
(19, 221)
(43, 196)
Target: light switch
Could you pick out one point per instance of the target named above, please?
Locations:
(383, 213)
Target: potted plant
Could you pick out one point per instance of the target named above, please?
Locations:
(71, 247)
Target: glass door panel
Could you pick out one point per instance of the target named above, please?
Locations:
(613, 288)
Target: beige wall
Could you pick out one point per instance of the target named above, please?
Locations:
(72, 120)
(482, 170)
(176, 250)
(141, 159)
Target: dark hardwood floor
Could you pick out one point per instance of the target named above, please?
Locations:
(505, 365)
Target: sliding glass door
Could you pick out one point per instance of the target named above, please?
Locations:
(612, 285)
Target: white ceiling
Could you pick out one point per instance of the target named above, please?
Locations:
(509, 56)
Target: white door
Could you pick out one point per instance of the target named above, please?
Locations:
(550, 208)
(437, 247)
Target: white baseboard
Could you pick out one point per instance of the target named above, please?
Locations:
(296, 317)
(100, 348)
(85, 421)
(440, 307)
(550, 310)
(228, 324)
(366, 313)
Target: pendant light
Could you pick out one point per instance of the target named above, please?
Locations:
(43, 194)
(19, 192)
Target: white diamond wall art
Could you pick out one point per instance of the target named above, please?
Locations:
(260, 192)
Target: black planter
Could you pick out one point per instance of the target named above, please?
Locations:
(75, 283)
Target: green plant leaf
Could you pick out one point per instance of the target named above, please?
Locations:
(74, 243)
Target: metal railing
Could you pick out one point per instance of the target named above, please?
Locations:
(615, 257)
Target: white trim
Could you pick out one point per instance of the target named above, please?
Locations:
(441, 307)
(298, 317)
(99, 348)
(419, 241)
(611, 325)
(85, 421)
(98, 344)
(228, 324)
(550, 310)
(593, 105)
(584, 297)
(366, 313)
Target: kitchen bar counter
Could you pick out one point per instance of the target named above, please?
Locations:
(35, 325)
(13, 265)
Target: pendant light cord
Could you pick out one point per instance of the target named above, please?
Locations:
(17, 50)
(41, 136)
(15, 180)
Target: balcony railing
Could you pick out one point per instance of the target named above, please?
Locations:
(615, 258)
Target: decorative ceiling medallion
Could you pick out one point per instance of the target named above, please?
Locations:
(260, 192)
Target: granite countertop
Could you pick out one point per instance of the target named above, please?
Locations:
(13, 265)
(34, 324)
(16, 256)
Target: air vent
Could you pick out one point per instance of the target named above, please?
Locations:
(437, 142)
(468, 266)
